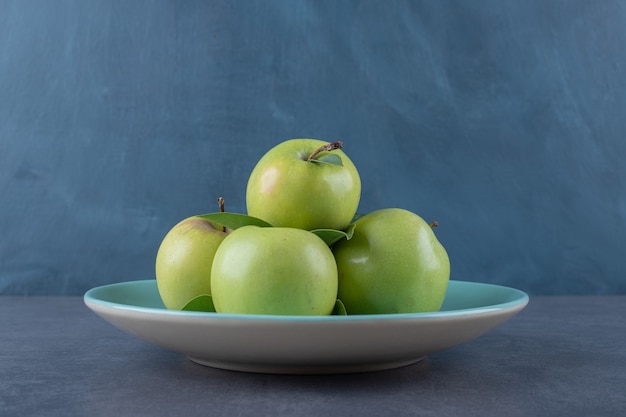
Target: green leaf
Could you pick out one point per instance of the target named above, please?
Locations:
(329, 236)
(202, 302)
(332, 236)
(340, 309)
(331, 158)
(350, 231)
(234, 220)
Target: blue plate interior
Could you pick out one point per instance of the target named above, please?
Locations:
(461, 296)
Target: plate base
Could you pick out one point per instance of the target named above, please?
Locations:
(305, 369)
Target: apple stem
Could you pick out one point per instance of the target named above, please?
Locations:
(328, 147)
(220, 203)
(433, 224)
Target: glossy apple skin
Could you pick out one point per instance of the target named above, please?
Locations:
(279, 271)
(287, 191)
(184, 260)
(393, 264)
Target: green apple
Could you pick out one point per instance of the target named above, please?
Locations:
(305, 184)
(393, 264)
(184, 260)
(274, 270)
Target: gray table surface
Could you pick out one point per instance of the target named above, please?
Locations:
(561, 356)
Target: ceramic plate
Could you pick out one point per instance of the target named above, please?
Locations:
(305, 345)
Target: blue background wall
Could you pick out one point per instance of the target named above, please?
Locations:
(503, 120)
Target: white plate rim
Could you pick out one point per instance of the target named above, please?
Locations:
(195, 333)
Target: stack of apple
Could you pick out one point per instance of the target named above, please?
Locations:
(302, 249)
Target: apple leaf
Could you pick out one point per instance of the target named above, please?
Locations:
(234, 220)
(331, 158)
(202, 302)
(350, 231)
(332, 236)
(340, 309)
